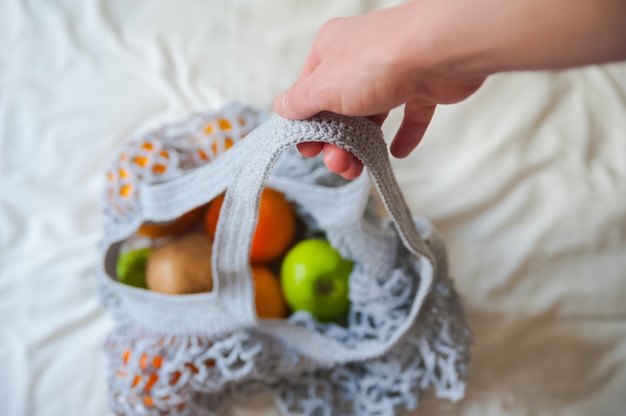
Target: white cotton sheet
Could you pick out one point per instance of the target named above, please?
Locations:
(527, 179)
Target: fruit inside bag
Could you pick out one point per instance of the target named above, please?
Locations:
(302, 273)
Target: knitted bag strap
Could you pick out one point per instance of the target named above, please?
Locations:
(364, 139)
(254, 160)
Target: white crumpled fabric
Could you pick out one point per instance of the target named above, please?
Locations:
(526, 181)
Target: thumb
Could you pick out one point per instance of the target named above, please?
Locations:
(300, 101)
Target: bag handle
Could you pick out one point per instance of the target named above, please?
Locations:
(238, 216)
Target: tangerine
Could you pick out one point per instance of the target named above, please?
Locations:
(275, 227)
(268, 294)
(177, 227)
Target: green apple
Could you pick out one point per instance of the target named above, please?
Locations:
(314, 278)
(131, 267)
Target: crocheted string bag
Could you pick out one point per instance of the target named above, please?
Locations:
(405, 332)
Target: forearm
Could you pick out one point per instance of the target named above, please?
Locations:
(480, 37)
(428, 52)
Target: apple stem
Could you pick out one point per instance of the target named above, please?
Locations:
(325, 287)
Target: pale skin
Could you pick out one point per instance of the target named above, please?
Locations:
(429, 52)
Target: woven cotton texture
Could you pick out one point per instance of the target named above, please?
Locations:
(191, 354)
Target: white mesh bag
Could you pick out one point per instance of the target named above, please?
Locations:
(405, 332)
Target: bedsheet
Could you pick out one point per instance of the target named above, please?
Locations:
(527, 180)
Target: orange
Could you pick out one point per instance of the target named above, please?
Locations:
(143, 382)
(177, 227)
(268, 295)
(275, 226)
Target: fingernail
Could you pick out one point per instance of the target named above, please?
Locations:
(284, 102)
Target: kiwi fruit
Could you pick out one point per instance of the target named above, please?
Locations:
(181, 266)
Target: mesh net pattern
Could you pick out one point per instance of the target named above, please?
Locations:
(165, 153)
(158, 373)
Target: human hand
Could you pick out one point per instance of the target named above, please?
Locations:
(367, 65)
